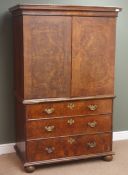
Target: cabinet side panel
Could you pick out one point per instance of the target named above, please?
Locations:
(47, 56)
(93, 55)
(20, 129)
(18, 55)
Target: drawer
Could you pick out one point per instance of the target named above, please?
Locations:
(56, 109)
(68, 126)
(53, 148)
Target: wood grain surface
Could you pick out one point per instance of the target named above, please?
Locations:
(104, 106)
(47, 52)
(68, 126)
(61, 147)
(93, 55)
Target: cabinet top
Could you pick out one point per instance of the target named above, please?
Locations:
(62, 7)
(29, 8)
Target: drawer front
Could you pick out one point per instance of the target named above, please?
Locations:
(68, 126)
(46, 149)
(57, 109)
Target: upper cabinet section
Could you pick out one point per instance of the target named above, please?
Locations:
(64, 51)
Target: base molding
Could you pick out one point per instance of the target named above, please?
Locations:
(67, 159)
(9, 148)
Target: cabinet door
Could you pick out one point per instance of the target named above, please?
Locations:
(93, 47)
(47, 56)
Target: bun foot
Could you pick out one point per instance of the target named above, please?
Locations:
(108, 158)
(29, 169)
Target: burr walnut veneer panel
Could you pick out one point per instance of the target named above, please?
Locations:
(71, 108)
(68, 146)
(71, 125)
(47, 52)
(93, 56)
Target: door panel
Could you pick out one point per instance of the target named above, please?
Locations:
(47, 51)
(93, 41)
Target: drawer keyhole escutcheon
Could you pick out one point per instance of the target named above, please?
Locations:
(50, 150)
(49, 128)
(92, 124)
(49, 110)
(91, 144)
(71, 121)
(71, 105)
(71, 140)
(92, 107)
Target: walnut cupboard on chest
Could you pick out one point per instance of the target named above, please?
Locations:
(64, 82)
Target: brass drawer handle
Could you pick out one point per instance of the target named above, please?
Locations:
(49, 110)
(91, 144)
(71, 121)
(71, 140)
(92, 107)
(50, 150)
(71, 105)
(49, 128)
(92, 124)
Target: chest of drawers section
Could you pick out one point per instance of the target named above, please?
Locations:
(66, 130)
